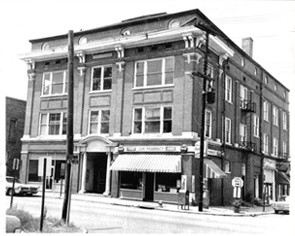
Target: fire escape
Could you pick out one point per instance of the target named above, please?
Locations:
(248, 107)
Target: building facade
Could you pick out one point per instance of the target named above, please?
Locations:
(15, 123)
(137, 112)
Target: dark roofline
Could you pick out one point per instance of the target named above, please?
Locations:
(158, 16)
(16, 99)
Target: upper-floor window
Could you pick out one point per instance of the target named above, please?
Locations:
(99, 121)
(53, 124)
(256, 125)
(265, 143)
(243, 94)
(275, 147)
(55, 83)
(243, 133)
(82, 41)
(227, 134)
(275, 115)
(284, 120)
(265, 110)
(101, 78)
(154, 72)
(227, 166)
(228, 89)
(208, 123)
(285, 149)
(152, 120)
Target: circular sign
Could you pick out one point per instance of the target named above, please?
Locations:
(237, 182)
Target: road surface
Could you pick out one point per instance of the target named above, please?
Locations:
(106, 218)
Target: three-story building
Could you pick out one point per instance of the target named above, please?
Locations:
(137, 112)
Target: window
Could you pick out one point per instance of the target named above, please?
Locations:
(284, 149)
(33, 171)
(101, 78)
(243, 133)
(152, 120)
(208, 123)
(99, 122)
(275, 87)
(155, 72)
(265, 110)
(227, 130)
(243, 94)
(45, 46)
(265, 143)
(53, 124)
(275, 115)
(256, 125)
(266, 80)
(284, 120)
(125, 32)
(12, 130)
(275, 147)
(227, 166)
(174, 24)
(228, 89)
(54, 83)
(82, 41)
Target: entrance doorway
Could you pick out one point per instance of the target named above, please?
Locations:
(96, 172)
(149, 187)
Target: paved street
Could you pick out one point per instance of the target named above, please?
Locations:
(98, 217)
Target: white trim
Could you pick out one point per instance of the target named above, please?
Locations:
(102, 78)
(256, 126)
(229, 131)
(229, 88)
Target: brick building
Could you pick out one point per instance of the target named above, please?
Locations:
(137, 112)
(15, 123)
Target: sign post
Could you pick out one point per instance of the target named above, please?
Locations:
(237, 184)
(15, 167)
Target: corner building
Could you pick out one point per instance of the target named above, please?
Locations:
(137, 113)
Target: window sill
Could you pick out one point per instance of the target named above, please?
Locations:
(100, 91)
(54, 95)
(153, 87)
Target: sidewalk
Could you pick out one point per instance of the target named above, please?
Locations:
(214, 210)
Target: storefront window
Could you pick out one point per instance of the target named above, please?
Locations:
(168, 182)
(33, 171)
(131, 180)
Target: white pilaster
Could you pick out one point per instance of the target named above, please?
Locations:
(108, 176)
(84, 168)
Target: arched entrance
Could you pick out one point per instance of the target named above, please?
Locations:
(95, 164)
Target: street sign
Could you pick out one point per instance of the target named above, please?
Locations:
(237, 182)
(15, 165)
(237, 192)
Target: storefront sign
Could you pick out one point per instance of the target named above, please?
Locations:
(152, 149)
(184, 182)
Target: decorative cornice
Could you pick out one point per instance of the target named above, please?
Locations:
(30, 64)
(120, 51)
(81, 57)
(120, 65)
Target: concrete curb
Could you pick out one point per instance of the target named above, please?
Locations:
(150, 207)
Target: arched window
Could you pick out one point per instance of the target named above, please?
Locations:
(174, 24)
(45, 46)
(82, 41)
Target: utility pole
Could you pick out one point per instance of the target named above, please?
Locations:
(70, 136)
(204, 99)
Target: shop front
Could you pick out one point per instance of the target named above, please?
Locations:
(149, 177)
(269, 167)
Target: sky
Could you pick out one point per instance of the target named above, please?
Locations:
(271, 25)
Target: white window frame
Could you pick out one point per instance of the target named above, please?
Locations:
(62, 114)
(275, 147)
(256, 126)
(50, 83)
(284, 120)
(143, 109)
(243, 132)
(227, 166)
(266, 110)
(145, 70)
(210, 124)
(265, 143)
(98, 121)
(275, 115)
(228, 88)
(227, 130)
(102, 79)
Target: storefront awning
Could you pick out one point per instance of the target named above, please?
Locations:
(148, 163)
(211, 170)
(283, 178)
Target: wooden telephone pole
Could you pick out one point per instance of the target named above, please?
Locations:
(70, 136)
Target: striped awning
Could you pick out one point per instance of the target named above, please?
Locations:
(283, 178)
(148, 163)
(211, 170)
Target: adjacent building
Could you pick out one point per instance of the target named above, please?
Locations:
(15, 123)
(137, 113)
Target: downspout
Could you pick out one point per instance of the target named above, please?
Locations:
(261, 180)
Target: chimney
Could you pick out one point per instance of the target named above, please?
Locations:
(247, 46)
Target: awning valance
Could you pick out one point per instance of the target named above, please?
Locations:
(211, 170)
(148, 163)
